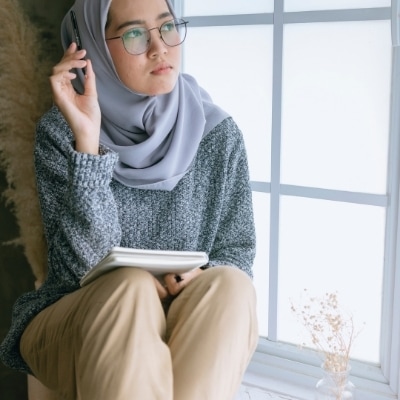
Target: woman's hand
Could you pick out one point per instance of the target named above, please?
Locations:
(82, 112)
(161, 290)
(175, 283)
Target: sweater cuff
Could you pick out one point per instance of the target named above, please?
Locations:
(88, 170)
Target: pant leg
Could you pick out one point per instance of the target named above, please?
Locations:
(212, 333)
(105, 341)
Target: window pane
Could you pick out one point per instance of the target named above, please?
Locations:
(327, 247)
(336, 98)
(308, 5)
(220, 58)
(228, 7)
(261, 202)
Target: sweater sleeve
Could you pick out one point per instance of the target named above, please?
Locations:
(78, 209)
(235, 240)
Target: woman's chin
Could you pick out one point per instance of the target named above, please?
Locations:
(157, 88)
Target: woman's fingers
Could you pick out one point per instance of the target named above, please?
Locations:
(72, 59)
(68, 65)
(62, 76)
(71, 49)
(161, 290)
(90, 80)
(81, 110)
(175, 283)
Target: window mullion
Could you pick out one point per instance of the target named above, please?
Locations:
(361, 14)
(390, 345)
(275, 169)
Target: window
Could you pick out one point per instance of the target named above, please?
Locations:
(315, 87)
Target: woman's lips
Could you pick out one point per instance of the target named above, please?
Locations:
(162, 69)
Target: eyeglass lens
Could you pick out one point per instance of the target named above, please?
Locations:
(137, 40)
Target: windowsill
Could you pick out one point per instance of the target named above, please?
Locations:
(274, 388)
(284, 372)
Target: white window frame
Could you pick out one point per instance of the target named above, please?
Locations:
(281, 368)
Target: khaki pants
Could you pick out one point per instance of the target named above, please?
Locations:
(111, 340)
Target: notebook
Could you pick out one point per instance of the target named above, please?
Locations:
(158, 262)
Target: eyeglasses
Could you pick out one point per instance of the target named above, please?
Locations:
(137, 40)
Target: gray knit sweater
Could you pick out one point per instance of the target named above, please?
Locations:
(86, 212)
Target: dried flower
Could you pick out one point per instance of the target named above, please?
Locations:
(330, 329)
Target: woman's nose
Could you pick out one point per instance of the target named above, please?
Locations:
(157, 45)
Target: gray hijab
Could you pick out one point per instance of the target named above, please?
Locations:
(156, 137)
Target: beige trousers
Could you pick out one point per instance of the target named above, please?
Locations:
(111, 340)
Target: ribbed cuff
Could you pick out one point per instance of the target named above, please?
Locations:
(90, 170)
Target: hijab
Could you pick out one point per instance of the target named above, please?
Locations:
(156, 137)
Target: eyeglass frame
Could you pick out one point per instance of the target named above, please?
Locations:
(183, 22)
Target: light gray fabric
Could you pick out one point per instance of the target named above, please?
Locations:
(156, 136)
(86, 212)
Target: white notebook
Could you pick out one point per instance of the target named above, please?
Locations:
(158, 262)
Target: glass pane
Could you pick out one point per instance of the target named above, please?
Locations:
(327, 247)
(227, 7)
(308, 5)
(218, 57)
(261, 203)
(336, 99)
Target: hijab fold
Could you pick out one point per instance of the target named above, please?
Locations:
(156, 137)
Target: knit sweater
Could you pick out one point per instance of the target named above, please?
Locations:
(86, 212)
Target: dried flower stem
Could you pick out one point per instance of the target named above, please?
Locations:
(331, 330)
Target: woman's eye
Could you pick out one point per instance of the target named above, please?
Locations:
(168, 27)
(134, 33)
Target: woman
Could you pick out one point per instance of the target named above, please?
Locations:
(137, 156)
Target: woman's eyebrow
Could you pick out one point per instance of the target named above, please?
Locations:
(141, 21)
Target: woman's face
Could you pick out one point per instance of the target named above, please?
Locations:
(155, 71)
